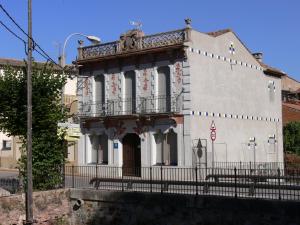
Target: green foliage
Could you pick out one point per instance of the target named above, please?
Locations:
(48, 147)
(291, 133)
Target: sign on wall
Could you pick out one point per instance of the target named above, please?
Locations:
(116, 145)
(213, 133)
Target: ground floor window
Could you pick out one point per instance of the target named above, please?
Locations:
(166, 148)
(99, 149)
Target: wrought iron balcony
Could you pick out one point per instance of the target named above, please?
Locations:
(133, 41)
(131, 106)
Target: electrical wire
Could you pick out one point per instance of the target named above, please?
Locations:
(13, 33)
(21, 39)
(34, 42)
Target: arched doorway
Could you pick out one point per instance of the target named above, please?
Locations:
(131, 155)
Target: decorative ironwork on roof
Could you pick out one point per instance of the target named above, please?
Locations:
(132, 41)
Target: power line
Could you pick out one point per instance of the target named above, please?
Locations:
(9, 16)
(13, 33)
(34, 42)
(21, 39)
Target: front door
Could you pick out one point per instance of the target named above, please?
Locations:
(131, 155)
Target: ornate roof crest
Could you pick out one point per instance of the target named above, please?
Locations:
(130, 40)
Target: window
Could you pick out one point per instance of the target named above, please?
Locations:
(6, 145)
(100, 94)
(99, 149)
(130, 92)
(164, 89)
(166, 148)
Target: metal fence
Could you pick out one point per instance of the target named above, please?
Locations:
(251, 165)
(237, 183)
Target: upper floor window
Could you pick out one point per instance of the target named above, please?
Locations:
(130, 92)
(99, 88)
(164, 89)
(6, 145)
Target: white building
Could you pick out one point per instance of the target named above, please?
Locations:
(151, 100)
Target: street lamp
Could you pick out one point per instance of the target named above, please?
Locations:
(91, 38)
(62, 60)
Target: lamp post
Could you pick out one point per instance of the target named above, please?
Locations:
(62, 61)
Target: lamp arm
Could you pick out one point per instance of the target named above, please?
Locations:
(65, 44)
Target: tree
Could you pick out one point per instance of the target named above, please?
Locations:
(291, 133)
(48, 146)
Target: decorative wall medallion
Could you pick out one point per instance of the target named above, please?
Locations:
(120, 129)
(141, 127)
(117, 127)
(231, 49)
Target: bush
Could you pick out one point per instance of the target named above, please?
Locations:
(291, 139)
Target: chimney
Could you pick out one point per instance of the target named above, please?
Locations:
(258, 56)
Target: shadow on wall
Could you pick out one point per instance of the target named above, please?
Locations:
(116, 208)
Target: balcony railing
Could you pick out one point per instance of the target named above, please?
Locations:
(142, 43)
(129, 106)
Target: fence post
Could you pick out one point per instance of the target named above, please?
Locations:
(161, 179)
(64, 176)
(122, 171)
(150, 179)
(235, 183)
(73, 178)
(96, 171)
(279, 192)
(196, 170)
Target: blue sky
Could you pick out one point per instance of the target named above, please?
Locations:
(269, 26)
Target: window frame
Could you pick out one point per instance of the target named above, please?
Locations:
(4, 145)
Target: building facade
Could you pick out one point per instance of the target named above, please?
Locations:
(151, 100)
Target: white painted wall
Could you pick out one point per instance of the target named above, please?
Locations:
(218, 87)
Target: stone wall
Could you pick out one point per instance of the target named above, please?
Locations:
(49, 208)
(116, 208)
(60, 207)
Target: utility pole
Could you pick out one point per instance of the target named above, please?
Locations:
(29, 211)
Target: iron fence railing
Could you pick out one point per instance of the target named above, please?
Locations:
(129, 106)
(251, 165)
(230, 182)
